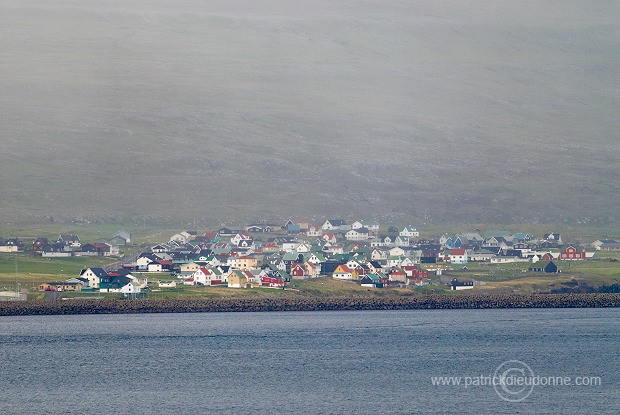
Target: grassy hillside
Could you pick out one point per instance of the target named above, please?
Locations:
(483, 111)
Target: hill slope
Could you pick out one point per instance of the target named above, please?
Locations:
(483, 111)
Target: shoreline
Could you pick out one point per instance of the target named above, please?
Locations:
(201, 305)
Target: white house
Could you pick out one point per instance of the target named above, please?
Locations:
(333, 224)
(181, 237)
(458, 256)
(358, 234)
(357, 224)
(409, 232)
(131, 289)
(93, 275)
(303, 248)
(201, 277)
(290, 246)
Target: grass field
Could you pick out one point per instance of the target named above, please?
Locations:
(515, 277)
(31, 270)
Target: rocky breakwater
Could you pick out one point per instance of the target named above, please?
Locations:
(199, 305)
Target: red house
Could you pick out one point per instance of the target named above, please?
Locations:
(571, 254)
(297, 270)
(267, 281)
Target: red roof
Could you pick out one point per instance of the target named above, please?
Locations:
(457, 251)
(344, 268)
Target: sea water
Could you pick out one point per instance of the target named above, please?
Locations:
(337, 362)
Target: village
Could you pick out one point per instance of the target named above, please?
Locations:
(275, 256)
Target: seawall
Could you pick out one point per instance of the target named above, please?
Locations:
(200, 305)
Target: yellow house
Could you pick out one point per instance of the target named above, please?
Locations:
(243, 262)
(189, 268)
(235, 280)
(343, 273)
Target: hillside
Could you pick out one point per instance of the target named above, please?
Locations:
(483, 111)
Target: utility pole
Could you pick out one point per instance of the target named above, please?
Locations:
(16, 283)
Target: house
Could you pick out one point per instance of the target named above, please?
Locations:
(609, 245)
(290, 258)
(290, 246)
(183, 237)
(123, 237)
(461, 285)
(292, 227)
(316, 258)
(69, 240)
(303, 248)
(56, 250)
(60, 286)
(189, 268)
(409, 232)
(244, 262)
(571, 254)
(457, 256)
(371, 225)
(94, 276)
(522, 237)
(39, 243)
(160, 266)
(113, 282)
(374, 267)
(548, 267)
(271, 281)
(371, 281)
(357, 224)
(342, 272)
(555, 238)
(401, 240)
(256, 229)
(239, 237)
(11, 245)
(131, 290)
(396, 251)
(333, 224)
(415, 273)
(237, 279)
(159, 248)
(143, 261)
(205, 276)
(329, 237)
(359, 234)
(167, 284)
(314, 231)
(334, 250)
(482, 255)
(298, 271)
(312, 270)
(379, 254)
(97, 249)
(398, 275)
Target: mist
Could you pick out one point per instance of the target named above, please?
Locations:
(495, 111)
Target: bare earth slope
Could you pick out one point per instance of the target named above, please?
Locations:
(481, 110)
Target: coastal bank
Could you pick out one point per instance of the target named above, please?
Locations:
(202, 305)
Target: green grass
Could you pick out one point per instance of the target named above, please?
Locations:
(33, 270)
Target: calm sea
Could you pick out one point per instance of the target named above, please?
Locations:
(367, 362)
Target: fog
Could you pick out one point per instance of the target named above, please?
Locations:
(438, 111)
